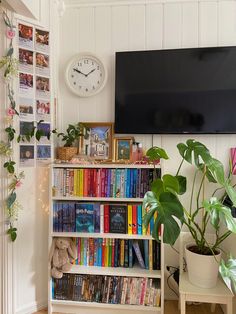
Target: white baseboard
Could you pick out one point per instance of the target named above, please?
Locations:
(31, 308)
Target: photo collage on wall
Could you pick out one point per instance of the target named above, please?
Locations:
(34, 92)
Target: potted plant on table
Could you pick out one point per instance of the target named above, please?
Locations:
(164, 198)
(71, 141)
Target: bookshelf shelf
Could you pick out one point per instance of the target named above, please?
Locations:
(101, 235)
(136, 271)
(139, 277)
(109, 166)
(141, 308)
(97, 199)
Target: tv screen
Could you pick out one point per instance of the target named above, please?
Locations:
(176, 91)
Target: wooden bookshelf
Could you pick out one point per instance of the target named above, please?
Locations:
(78, 307)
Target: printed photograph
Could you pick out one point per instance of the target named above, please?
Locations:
(26, 60)
(42, 109)
(42, 83)
(26, 108)
(26, 127)
(45, 128)
(41, 40)
(97, 141)
(26, 84)
(26, 155)
(43, 152)
(42, 63)
(123, 148)
(25, 35)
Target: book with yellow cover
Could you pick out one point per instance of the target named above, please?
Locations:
(130, 219)
(81, 182)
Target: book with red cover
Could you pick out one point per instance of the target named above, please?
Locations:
(106, 219)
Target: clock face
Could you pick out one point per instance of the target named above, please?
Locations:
(86, 75)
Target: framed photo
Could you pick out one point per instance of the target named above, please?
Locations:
(97, 140)
(123, 148)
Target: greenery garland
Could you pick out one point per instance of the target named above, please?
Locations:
(9, 65)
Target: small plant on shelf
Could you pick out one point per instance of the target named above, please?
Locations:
(70, 138)
(164, 198)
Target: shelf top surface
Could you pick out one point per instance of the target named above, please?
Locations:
(106, 165)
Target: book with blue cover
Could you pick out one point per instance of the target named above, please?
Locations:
(84, 217)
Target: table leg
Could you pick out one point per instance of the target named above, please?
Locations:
(213, 307)
(182, 304)
(230, 306)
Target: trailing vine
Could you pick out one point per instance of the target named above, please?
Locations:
(9, 65)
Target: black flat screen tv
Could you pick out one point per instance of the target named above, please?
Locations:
(176, 91)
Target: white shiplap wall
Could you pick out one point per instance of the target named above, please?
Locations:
(104, 27)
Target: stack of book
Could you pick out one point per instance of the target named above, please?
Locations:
(108, 289)
(98, 217)
(118, 253)
(123, 183)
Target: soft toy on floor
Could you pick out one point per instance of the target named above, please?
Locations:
(63, 252)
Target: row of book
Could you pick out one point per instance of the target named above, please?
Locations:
(119, 253)
(128, 183)
(97, 217)
(108, 289)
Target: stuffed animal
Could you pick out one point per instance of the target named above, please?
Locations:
(63, 252)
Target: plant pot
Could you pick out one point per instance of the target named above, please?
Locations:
(202, 269)
(66, 153)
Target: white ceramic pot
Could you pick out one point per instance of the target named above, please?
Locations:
(202, 269)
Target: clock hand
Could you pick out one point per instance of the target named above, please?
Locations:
(90, 72)
(76, 70)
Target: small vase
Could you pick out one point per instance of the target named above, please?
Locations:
(202, 269)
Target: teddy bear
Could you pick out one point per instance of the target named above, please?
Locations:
(62, 254)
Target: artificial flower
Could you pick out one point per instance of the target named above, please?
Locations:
(10, 33)
(11, 112)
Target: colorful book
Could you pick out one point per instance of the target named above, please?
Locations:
(118, 218)
(84, 217)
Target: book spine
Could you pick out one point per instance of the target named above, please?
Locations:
(131, 253)
(139, 209)
(82, 251)
(122, 252)
(91, 251)
(107, 253)
(116, 253)
(101, 218)
(103, 252)
(100, 241)
(118, 183)
(126, 257)
(79, 251)
(85, 183)
(134, 219)
(138, 254)
(146, 253)
(106, 218)
(130, 220)
(113, 253)
(122, 183)
(150, 255)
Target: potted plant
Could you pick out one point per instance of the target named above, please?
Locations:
(164, 198)
(71, 141)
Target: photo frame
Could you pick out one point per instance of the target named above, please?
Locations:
(97, 140)
(123, 149)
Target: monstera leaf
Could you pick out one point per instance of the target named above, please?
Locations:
(220, 213)
(228, 273)
(156, 153)
(169, 211)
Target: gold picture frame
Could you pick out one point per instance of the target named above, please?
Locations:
(97, 140)
(122, 147)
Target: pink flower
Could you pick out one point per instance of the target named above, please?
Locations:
(10, 33)
(18, 183)
(11, 112)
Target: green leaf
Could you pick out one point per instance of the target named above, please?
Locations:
(156, 153)
(11, 199)
(157, 187)
(182, 148)
(182, 184)
(169, 209)
(217, 170)
(228, 272)
(10, 52)
(231, 192)
(171, 184)
(219, 212)
(194, 149)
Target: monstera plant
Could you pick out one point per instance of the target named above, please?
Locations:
(165, 199)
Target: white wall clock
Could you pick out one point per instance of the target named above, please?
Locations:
(86, 74)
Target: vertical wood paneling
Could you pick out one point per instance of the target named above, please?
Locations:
(137, 27)
(103, 49)
(190, 25)
(208, 26)
(154, 26)
(68, 102)
(120, 28)
(87, 43)
(172, 25)
(227, 23)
